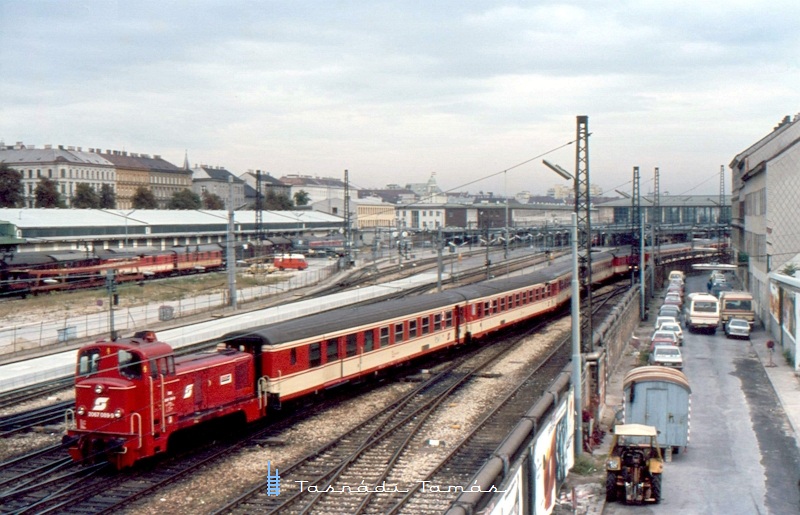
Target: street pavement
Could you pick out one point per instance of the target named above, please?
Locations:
(784, 380)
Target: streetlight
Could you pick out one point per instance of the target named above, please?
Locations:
(576, 316)
(558, 169)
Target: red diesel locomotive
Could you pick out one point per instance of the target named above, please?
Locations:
(133, 394)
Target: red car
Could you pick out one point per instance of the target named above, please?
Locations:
(663, 338)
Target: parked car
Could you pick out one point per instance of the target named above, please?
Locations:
(668, 310)
(666, 356)
(675, 289)
(719, 288)
(737, 328)
(675, 327)
(663, 338)
(664, 320)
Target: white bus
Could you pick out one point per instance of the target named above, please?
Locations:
(702, 312)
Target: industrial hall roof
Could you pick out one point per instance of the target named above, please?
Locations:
(710, 200)
(68, 224)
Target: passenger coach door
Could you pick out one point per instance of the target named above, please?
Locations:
(460, 314)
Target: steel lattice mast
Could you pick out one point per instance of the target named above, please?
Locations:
(583, 212)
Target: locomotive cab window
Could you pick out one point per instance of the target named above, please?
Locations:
(162, 366)
(89, 362)
(130, 364)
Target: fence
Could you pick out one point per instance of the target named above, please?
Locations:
(61, 331)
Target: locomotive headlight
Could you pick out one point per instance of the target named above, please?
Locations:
(118, 413)
(98, 389)
(82, 410)
(613, 463)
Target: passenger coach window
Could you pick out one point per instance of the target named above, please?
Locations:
(426, 324)
(398, 332)
(369, 340)
(351, 347)
(437, 322)
(130, 364)
(384, 336)
(89, 362)
(314, 355)
(293, 356)
(333, 351)
(448, 319)
(412, 328)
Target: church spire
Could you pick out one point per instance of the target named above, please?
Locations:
(186, 160)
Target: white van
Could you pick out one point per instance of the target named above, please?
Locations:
(702, 312)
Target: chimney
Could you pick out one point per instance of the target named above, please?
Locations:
(48, 147)
(61, 147)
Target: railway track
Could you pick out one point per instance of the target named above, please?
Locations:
(46, 481)
(375, 455)
(46, 415)
(20, 395)
(104, 493)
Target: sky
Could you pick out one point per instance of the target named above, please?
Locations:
(478, 92)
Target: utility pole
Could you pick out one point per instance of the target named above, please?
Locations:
(113, 299)
(231, 254)
(577, 374)
(488, 261)
(439, 266)
(721, 233)
(583, 206)
(347, 220)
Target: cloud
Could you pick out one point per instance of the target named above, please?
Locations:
(396, 90)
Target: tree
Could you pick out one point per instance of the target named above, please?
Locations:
(11, 192)
(46, 194)
(143, 198)
(185, 199)
(85, 197)
(301, 198)
(212, 201)
(277, 202)
(108, 199)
